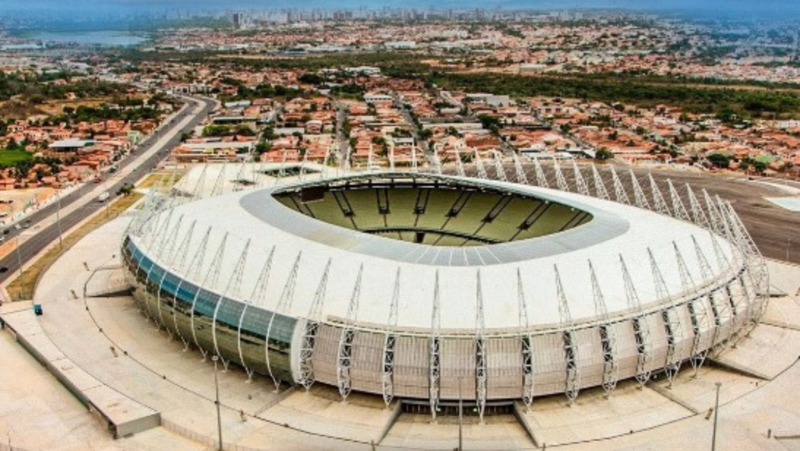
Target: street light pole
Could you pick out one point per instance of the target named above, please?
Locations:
(21, 273)
(216, 401)
(460, 419)
(788, 245)
(716, 414)
(58, 219)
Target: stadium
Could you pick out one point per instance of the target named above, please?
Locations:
(433, 289)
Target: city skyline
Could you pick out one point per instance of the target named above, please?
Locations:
(121, 6)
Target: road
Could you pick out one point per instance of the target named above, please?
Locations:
(28, 249)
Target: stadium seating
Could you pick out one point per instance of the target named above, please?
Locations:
(440, 216)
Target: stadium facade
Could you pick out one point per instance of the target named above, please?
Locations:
(432, 288)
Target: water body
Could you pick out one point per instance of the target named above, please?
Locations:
(102, 38)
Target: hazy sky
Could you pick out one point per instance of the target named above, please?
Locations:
(769, 7)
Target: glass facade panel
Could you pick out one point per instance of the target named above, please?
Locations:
(254, 325)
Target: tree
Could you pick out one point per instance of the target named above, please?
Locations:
(719, 160)
(263, 146)
(604, 154)
(125, 190)
(489, 122)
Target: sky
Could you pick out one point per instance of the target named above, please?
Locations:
(723, 7)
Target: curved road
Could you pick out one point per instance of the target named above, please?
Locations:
(9, 265)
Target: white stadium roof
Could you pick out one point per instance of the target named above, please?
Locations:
(255, 219)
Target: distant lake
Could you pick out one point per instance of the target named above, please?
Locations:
(104, 38)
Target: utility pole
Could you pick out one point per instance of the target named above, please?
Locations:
(216, 401)
(460, 418)
(716, 414)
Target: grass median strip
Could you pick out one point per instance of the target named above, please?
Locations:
(22, 288)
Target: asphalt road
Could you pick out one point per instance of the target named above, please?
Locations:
(9, 265)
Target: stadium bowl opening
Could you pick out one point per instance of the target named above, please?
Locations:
(411, 209)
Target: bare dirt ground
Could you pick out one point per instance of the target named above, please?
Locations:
(772, 227)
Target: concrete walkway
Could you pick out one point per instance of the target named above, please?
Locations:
(111, 340)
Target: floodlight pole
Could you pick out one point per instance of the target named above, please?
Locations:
(216, 401)
(716, 413)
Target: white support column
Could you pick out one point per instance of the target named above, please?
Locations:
(641, 329)
(599, 186)
(520, 172)
(749, 271)
(697, 310)
(346, 160)
(257, 297)
(345, 355)
(326, 160)
(608, 337)
(232, 289)
(714, 216)
(672, 322)
(659, 203)
(500, 172)
(619, 189)
(219, 184)
(527, 344)
(209, 283)
(240, 176)
(434, 369)
(560, 181)
(172, 241)
(698, 214)
(282, 167)
(310, 334)
(389, 342)
(199, 187)
(480, 349)
(437, 163)
(678, 209)
(755, 267)
(414, 167)
(369, 158)
(303, 166)
(572, 379)
(156, 231)
(479, 166)
(720, 310)
(284, 306)
(199, 255)
(638, 195)
(580, 183)
(391, 156)
(459, 163)
(541, 178)
(160, 240)
(159, 229)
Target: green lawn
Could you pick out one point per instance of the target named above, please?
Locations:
(9, 158)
